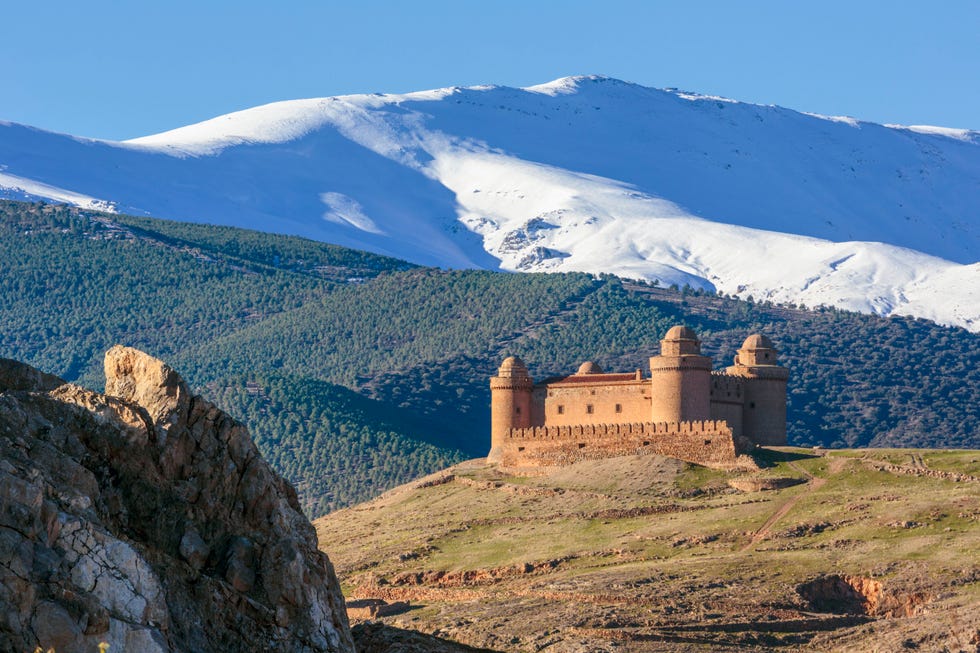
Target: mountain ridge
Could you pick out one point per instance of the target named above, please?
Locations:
(581, 174)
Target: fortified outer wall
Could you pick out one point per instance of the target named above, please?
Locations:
(708, 443)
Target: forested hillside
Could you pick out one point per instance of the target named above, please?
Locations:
(357, 372)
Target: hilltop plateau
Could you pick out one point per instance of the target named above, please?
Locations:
(852, 550)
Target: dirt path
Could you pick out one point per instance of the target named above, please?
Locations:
(813, 483)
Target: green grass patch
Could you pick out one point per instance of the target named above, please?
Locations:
(962, 462)
(697, 477)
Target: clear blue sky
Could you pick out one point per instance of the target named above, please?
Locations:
(120, 69)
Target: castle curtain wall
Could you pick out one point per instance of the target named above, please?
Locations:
(727, 400)
(594, 402)
(729, 412)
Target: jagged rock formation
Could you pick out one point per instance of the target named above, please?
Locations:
(146, 518)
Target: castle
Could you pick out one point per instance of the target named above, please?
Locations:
(683, 409)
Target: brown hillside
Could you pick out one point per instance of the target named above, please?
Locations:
(850, 550)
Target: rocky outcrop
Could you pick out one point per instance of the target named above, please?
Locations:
(146, 518)
(860, 595)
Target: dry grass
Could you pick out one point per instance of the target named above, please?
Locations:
(642, 549)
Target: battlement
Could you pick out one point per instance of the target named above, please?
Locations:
(637, 429)
(708, 442)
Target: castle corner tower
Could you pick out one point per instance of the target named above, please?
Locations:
(764, 409)
(510, 403)
(681, 379)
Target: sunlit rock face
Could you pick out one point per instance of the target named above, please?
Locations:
(146, 518)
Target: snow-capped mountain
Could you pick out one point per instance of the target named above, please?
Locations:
(583, 173)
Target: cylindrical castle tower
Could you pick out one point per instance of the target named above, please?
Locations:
(680, 378)
(510, 403)
(764, 410)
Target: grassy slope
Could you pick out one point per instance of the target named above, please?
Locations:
(709, 571)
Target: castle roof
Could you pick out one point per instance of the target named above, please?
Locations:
(512, 367)
(680, 332)
(588, 367)
(757, 341)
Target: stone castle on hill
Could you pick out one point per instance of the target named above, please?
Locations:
(683, 409)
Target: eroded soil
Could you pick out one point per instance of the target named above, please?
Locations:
(849, 551)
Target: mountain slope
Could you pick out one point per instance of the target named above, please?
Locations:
(588, 174)
(356, 373)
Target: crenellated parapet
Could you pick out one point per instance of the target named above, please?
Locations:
(704, 442)
(703, 427)
(510, 383)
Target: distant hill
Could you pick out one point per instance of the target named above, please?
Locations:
(587, 174)
(357, 372)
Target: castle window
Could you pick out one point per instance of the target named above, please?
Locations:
(581, 445)
(591, 392)
(646, 443)
(751, 404)
(589, 409)
(707, 441)
(520, 448)
(517, 410)
(561, 410)
(619, 408)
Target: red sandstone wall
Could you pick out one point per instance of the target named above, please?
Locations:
(708, 443)
(681, 388)
(574, 401)
(730, 413)
(765, 411)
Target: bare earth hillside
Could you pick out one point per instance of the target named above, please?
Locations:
(820, 550)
